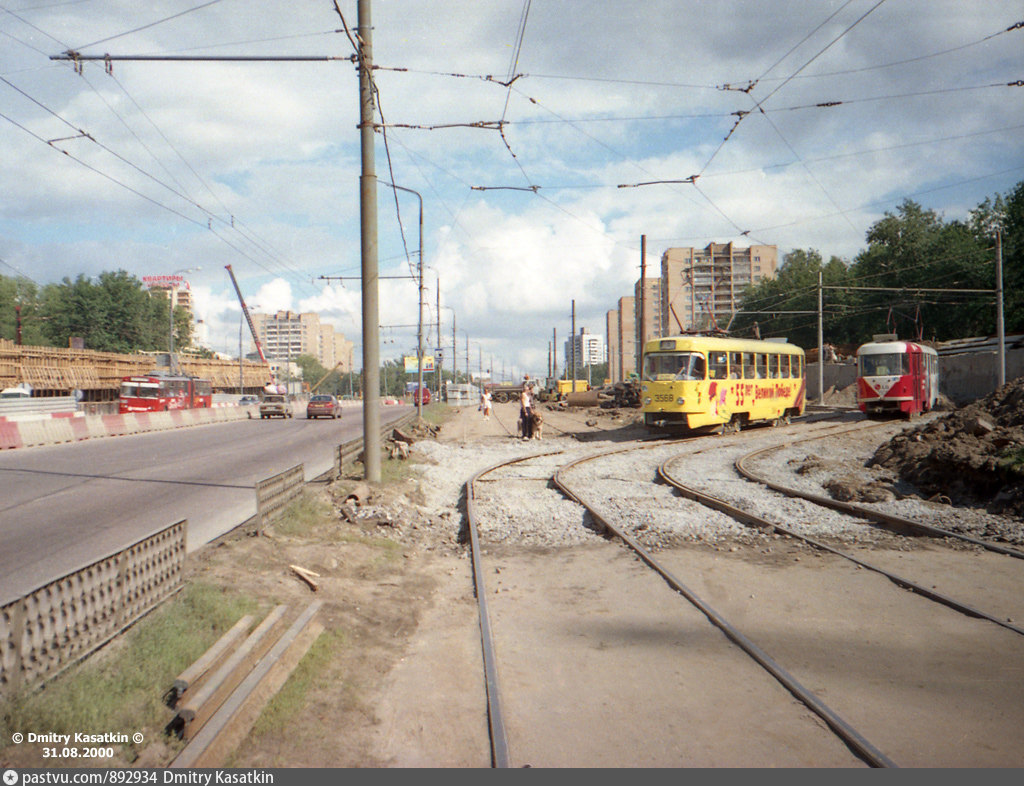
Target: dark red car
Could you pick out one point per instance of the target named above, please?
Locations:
(416, 396)
(323, 406)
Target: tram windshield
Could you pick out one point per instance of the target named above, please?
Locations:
(885, 365)
(674, 365)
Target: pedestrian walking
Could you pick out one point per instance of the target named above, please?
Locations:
(485, 404)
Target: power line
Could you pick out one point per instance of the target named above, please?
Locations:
(150, 24)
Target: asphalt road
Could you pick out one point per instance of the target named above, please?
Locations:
(65, 506)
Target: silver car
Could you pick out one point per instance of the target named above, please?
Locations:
(275, 405)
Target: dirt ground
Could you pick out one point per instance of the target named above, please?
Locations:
(405, 688)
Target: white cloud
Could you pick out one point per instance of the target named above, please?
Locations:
(278, 145)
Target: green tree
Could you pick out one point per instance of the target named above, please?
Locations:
(1010, 220)
(113, 314)
(20, 296)
(785, 306)
(314, 372)
(914, 248)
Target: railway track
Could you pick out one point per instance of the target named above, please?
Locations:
(627, 475)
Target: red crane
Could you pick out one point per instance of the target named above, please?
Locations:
(252, 327)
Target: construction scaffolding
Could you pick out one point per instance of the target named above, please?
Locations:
(54, 371)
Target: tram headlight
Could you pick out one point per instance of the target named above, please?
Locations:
(680, 401)
(647, 401)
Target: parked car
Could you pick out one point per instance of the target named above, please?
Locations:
(323, 406)
(275, 405)
(246, 401)
(416, 396)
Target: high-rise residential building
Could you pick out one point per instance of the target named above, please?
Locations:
(650, 321)
(586, 348)
(613, 341)
(701, 287)
(176, 288)
(622, 340)
(286, 334)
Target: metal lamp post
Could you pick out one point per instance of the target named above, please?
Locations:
(455, 365)
(419, 322)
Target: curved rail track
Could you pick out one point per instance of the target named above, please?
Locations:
(855, 741)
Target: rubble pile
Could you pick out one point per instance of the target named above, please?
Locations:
(974, 456)
(620, 395)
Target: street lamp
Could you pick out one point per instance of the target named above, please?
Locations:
(455, 364)
(419, 329)
(469, 376)
(170, 307)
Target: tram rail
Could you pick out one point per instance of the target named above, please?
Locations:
(500, 754)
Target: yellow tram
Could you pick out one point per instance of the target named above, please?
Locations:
(701, 381)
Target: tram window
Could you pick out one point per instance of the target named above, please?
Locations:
(718, 365)
(759, 364)
(773, 367)
(881, 365)
(748, 365)
(673, 365)
(784, 367)
(735, 365)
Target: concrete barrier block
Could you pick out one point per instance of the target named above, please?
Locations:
(161, 421)
(50, 431)
(115, 425)
(10, 435)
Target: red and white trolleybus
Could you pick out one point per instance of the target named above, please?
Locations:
(896, 377)
(160, 392)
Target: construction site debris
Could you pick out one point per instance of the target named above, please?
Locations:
(974, 455)
(621, 394)
(307, 576)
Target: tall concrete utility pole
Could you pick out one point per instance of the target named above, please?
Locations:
(638, 350)
(439, 374)
(572, 346)
(368, 233)
(1001, 376)
(554, 357)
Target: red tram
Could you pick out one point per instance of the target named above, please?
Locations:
(160, 392)
(896, 377)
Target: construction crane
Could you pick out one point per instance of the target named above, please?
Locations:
(320, 381)
(252, 327)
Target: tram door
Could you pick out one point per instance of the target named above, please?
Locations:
(918, 381)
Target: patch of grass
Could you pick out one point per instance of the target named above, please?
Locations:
(302, 516)
(437, 413)
(121, 688)
(1012, 460)
(288, 702)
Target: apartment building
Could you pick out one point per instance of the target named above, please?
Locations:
(648, 301)
(286, 334)
(613, 339)
(586, 348)
(701, 287)
(177, 289)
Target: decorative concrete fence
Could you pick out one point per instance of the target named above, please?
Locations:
(58, 624)
(274, 493)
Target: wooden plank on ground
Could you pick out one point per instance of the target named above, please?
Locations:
(193, 677)
(198, 708)
(234, 719)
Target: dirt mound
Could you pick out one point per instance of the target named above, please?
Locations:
(840, 397)
(974, 456)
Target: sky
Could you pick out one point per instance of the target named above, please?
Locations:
(543, 138)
